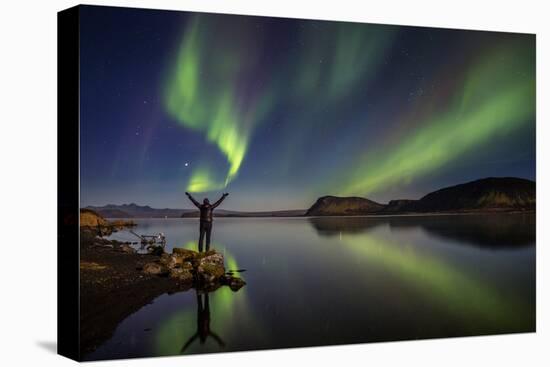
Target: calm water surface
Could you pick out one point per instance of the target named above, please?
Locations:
(319, 281)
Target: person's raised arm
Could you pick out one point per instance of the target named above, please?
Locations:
(219, 201)
(193, 200)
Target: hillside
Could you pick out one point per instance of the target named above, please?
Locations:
(504, 193)
(89, 218)
(488, 194)
(333, 205)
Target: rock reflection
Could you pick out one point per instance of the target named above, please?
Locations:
(493, 231)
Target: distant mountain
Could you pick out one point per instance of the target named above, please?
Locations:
(333, 205)
(493, 193)
(488, 194)
(400, 206)
(137, 211)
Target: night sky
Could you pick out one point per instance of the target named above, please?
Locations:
(278, 112)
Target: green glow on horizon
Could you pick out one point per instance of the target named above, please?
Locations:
(497, 98)
(454, 290)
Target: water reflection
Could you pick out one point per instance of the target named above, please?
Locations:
(203, 323)
(397, 278)
(214, 322)
(495, 231)
(442, 280)
(456, 292)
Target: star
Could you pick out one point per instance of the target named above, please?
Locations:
(186, 164)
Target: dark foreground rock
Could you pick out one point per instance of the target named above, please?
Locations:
(203, 270)
(115, 282)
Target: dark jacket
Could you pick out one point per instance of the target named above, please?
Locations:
(206, 210)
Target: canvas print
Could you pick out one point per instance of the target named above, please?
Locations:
(256, 183)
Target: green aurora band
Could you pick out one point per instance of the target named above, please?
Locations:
(497, 97)
(219, 87)
(203, 94)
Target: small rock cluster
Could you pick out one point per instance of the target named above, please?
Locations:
(203, 270)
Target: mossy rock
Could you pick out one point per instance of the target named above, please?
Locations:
(209, 273)
(187, 265)
(184, 253)
(181, 274)
(235, 283)
(211, 257)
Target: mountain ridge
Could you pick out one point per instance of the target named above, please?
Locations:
(486, 194)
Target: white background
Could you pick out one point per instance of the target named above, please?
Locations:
(28, 182)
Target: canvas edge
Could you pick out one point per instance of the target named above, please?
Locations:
(68, 129)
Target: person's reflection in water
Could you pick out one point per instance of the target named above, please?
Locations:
(203, 323)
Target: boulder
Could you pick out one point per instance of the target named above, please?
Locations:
(210, 266)
(204, 270)
(166, 260)
(209, 273)
(184, 254)
(211, 257)
(182, 274)
(154, 268)
(172, 261)
(187, 265)
(234, 283)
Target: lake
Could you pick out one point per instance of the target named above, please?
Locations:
(341, 280)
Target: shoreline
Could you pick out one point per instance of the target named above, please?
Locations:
(111, 271)
(370, 215)
(108, 274)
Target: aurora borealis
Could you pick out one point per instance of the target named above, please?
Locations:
(281, 111)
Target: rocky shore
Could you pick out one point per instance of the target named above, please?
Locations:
(201, 270)
(90, 220)
(115, 281)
